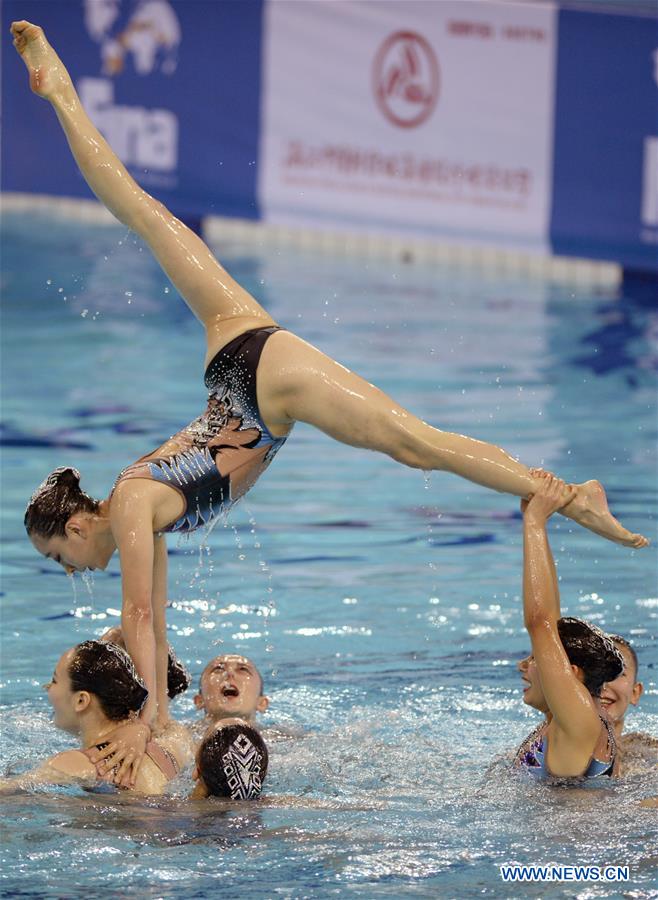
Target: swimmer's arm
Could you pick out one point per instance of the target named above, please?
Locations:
(131, 520)
(69, 767)
(568, 699)
(159, 604)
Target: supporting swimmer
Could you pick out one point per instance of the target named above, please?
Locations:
(94, 689)
(230, 686)
(568, 666)
(231, 762)
(639, 751)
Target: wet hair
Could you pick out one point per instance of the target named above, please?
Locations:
(592, 651)
(618, 639)
(53, 503)
(107, 672)
(178, 678)
(232, 762)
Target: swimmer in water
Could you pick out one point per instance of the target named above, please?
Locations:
(94, 688)
(569, 663)
(639, 752)
(231, 761)
(230, 687)
(261, 379)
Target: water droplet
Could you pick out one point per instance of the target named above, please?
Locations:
(49, 281)
(84, 313)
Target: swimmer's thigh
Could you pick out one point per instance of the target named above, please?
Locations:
(297, 382)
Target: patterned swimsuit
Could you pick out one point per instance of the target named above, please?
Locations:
(217, 457)
(531, 755)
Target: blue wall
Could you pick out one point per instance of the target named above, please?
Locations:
(606, 106)
(207, 107)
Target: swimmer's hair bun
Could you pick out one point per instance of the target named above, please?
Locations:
(591, 650)
(67, 476)
(56, 499)
(178, 678)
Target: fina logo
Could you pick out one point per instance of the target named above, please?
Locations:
(142, 137)
(405, 79)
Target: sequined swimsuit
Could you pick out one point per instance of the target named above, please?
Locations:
(531, 755)
(217, 457)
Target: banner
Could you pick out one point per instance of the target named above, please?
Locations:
(173, 86)
(498, 123)
(435, 117)
(605, 192)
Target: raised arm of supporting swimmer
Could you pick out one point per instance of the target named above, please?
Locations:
(568, 699)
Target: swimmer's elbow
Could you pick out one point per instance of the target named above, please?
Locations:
(136, 613)
(537, 623)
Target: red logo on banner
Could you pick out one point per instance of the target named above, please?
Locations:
(406, 79)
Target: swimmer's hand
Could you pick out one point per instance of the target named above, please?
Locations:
(548, 498)
(48, 75)
(123, 754)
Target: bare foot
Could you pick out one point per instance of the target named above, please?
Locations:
(590, 509)
(48, 74)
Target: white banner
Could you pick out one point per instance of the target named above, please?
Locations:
(420, 115)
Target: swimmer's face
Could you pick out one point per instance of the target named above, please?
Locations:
(63, 699)
(617, 695)
(533, 694)
(76, 551)
(231, 685)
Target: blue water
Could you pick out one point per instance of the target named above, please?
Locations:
(382, 607)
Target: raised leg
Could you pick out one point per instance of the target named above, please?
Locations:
(218, 301)
(298, 382)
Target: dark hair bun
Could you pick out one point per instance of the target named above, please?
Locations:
(66, 476)
(591, 650)
(56, 499)
(107, 671)
(178, 678)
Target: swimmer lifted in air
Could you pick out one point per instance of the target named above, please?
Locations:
(261, 379)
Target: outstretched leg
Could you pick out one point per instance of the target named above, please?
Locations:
(298, 382)
(218, 301)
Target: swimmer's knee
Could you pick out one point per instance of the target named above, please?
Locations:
(414, 453)
(423, 448)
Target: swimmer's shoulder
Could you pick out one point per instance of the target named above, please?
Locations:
(71, 764)
(177, 739)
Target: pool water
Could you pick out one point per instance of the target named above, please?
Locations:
(382, 606)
